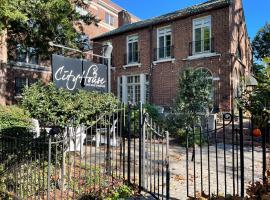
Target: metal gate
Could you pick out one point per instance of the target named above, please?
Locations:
(225, 160)
(123, 147)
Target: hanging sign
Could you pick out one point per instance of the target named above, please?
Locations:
(74, 74)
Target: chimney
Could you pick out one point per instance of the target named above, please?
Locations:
(123, 18)
(3, 46)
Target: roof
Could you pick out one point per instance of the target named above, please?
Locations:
(209, 5)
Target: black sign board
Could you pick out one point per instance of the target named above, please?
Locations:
(73, 74)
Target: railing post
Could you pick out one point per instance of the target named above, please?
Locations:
(167, 167)
(140, 146)
(49, 168)
(241, 152)
(264, 132)
(129, 141)
(108, 152)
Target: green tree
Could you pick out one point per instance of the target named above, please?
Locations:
(34, 23)
(261, 43)
(194, 95)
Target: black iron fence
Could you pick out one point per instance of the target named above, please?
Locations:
(227, 159)
(118, 148)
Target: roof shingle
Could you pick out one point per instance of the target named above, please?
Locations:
(211, 4)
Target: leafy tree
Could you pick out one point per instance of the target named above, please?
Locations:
(261, 43)
(194, 95)
(257, 101)
(34, 23)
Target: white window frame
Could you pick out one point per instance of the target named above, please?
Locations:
(132, 39)
(203, 21)
(110, 18)
(164, 31)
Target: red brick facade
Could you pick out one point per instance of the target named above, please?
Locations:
(228, 30)
(10, 70)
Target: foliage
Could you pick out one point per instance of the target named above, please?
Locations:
(256, 101)
(14, 119)
(194, 96)
(57, 107)
(29, 28)
(261, 42)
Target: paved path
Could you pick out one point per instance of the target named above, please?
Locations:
(178, 170)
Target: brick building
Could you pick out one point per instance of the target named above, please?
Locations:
(28, 68)
(149, 55)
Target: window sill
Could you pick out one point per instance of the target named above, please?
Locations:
(132, 65)
(202, 55)
(28, 66)
(164, 60)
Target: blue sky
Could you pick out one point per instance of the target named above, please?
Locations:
(257, 12)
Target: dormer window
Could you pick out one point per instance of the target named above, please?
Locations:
(201, 35)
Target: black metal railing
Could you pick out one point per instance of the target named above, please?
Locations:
(132, 58)
(78, 162)
(227, 158)
(163, 53)
(201, 46)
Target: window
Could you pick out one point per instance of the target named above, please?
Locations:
(164, 43)
(202, 35)
(27, 55)
(132, 49)
(133, 88)
(109, 19)
(20, 83)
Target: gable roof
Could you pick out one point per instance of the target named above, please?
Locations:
(209, 5)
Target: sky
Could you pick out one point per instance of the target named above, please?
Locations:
(257, 12)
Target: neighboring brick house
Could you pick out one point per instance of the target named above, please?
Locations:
(26, 68)
(149, 55)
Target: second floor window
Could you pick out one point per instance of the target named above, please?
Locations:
(132, 49)
(20, 83)
(109, 19)
(202, 35)
(164, 43)
(26, 55)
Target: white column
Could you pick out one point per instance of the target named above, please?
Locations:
(142, 88)
(124, 89)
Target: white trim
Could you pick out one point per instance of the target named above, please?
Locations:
(164, 60)
(209, 17)
(202, 55)
(134, 38)
(165, 28)
(142, 88)
(28, 67)
(132, 65)
(105, 25)
(124, 89)
(108, 7)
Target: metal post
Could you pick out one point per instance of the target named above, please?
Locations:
(129, 141)
(49, 167)
(264, 153)
(140, 147)
(241, 152)
(167, 167)
(109, 74)
(143, 150)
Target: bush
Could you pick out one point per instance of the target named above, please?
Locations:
(14, 120)
(57, 107)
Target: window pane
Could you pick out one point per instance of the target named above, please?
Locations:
(161, 47)
(130, 93)
(206, 39)
(130, 50)
(168, 45)
(198, 34)
(135, 52)
(20, 83)
(137, 93)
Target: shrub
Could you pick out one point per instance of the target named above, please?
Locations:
(14, 120)
(57, 107)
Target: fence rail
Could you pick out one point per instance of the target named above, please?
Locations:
(74, 162)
